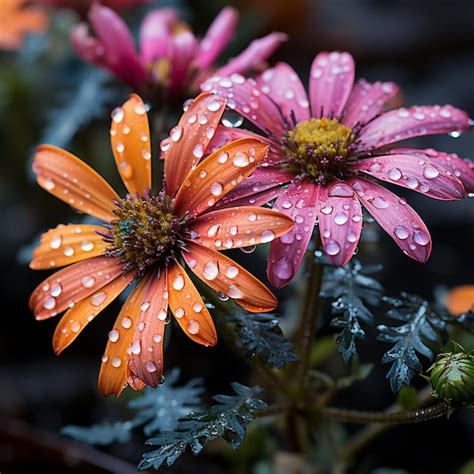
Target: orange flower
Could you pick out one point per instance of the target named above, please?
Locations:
(460, 300)
(17, 19)
(148, 238)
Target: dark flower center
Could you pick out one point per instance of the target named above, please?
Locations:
(146, 232)
(319, 148)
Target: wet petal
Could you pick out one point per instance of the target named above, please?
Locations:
(252, 57)
(283, 85)
(146, 349)
(183, 51)
(80, 315)
(413, 173)
(239, 227)
(218, 174)
(340, 222)
(417, 121)
(130, 138)
(225, 135)
(331, 80)
(257, 199)
(224, 275)
(245, 97)
(69, 286)
(189, 139)
(67, 244)
(396, 217)
(114, 370)
(71, 180)
(217, 37)
(263, 179)
(462, 168)
(367, 100)
(298, 201)
(188, 307)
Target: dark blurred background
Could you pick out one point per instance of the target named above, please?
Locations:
(425, 46)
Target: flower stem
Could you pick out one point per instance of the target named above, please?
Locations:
(399, 417)
(310, 314)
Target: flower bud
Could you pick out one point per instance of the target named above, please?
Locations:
(452, 377)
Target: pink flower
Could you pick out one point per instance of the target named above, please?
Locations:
(172, 59)
(327, 149)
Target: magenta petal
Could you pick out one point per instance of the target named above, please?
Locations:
(256, 199)
(218, 36)
(263, 179)
(156, 34)
(402, 124)
(461, 168)
(283, 86)
(119, 54)
(244, 96)
(366, 101)
(299, 201)
(331, 80)
(86, 46)
(224, 135)
(183, 51)
(252, 57)
(414, 173)
(340, 222)
(396, 217)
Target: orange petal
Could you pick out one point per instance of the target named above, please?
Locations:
(67, 244)
(146, 358)
(223, 274)
(130, 137)
(188, 307)
(189, 139)
(79, 316)
(218, 174)
(239, 227)
(71, 180)
(460, 300)
(72, 284)
(114, 370)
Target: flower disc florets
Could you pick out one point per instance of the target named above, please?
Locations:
(146, 231)
(319, 148)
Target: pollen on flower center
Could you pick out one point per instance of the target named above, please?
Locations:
(319, 148)
(146, 232)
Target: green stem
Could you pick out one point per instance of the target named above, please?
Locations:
(310, 315)
(399, 417)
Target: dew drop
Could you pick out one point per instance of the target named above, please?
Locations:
(341, 191)
(222, 296)
(140, 109)
(118, 115)
(178, 283)
(430, 172)
(327, 210)
(157, 338)
(176, 134)
(68, 251)
(249, 249)
(126, 322)
(87, 281)
(267, 236)
(76, 326)
(126, 169)
(232, 119)
(179, 313)
(241, 159)
(222, 157)
(146, 155)
(217, 189)
(214, 106)
(252, 217)
(56, 242)
(145, 306)
(114, 335)
(98, 298)
(192, 326)
(161, 315)
(412, 182)
(116, 362)
(197, 307)
(212, 231)
(49, 302)
(394, 174)
(198, 150)
(234, 291)
(421, 237)
(332, 248)
(401, 232)
(136, 347)
(341, 218)
(380, 203)
(283, 268)
(231, 272)
(87, 245)
(211, 270)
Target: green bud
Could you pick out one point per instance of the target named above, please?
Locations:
(452, 377)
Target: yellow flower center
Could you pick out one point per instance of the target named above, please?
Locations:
(146, 232)
(319, 148)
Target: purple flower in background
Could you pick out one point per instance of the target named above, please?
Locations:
(326, 149)
(171, 58)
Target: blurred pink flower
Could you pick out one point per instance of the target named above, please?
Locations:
(83, 5)
(326, 149)
(171, 59)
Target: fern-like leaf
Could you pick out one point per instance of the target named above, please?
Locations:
(422, 322)
(227, 419)
(157, 409)
(352, 287)
(260, 334)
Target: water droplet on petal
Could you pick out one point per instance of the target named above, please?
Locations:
(332, 248)
(162, 315)
(192, 326)
(283, 268)
(98, 298)
(151, 366)
(231, 272)
(430, 172)
(401, 232)
(234, 291)
(76, 326)
(126, 322)
(241, 159)
(49, 302)
(56, 242)
(267, 236)
(198, 150)
(68, 251)
(179, 312)
(178, 283)
(327, 210)
(144, 306)
(87, 245)
(341, 191)
(380, 203)
(252, 217)
(176, 134)
(114, 335)
(222, 157)
(341, 218)
(116, 362)
(87, 281)
(214, 106)
(217, 189)
(118, 115)
(197, 307)
(421, 237)
(394, 174)
(211, 270)
(412, 182)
